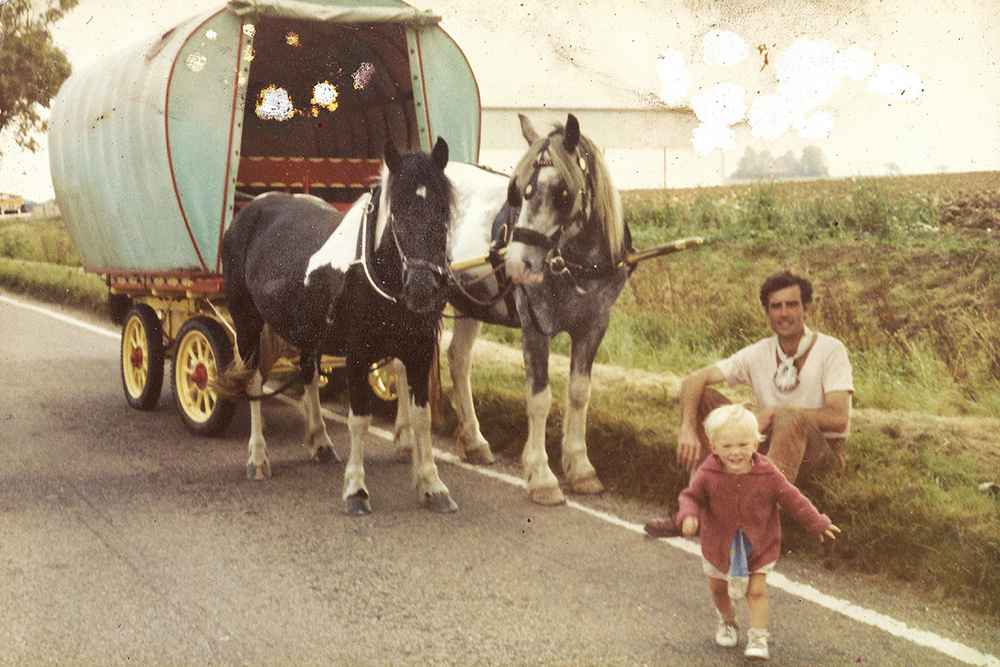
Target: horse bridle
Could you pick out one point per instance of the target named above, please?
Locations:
(361, 257)
(557, 264)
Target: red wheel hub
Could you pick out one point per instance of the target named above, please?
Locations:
(136, 357)
(200, 377)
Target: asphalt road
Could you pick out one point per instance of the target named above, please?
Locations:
(124, 539)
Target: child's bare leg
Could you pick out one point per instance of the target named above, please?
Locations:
(720, 595)
(757, 600)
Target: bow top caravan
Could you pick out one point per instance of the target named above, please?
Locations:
(153, 147)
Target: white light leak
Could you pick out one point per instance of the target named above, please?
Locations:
(675, 76)
(249, 29)
(807, 74)
(896, 83)
(724, 48)
(325, 96)
(196, 62)
(273, 103)
(211, 35)
(720, 107)
(363, 76)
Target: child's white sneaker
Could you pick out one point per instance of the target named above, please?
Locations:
(728, 632)
(756, 645)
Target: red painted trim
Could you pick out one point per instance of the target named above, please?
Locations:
(166, 130)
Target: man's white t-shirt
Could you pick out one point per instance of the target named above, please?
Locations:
(825, 369)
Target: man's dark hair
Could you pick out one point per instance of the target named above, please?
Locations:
(780, 280)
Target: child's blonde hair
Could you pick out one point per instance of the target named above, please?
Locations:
(731, 415)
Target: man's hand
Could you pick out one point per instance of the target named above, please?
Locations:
(688, 448)
(690, 526)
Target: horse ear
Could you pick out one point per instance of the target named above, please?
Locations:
(440, 153)
(571, 137)
(527, 130)
(391, 155)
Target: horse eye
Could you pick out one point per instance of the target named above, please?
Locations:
(562, 200)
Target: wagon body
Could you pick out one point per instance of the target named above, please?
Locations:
(150, 146)
(153, 149)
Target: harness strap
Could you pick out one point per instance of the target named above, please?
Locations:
(363, 250)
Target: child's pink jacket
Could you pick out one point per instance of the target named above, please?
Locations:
(724, 502)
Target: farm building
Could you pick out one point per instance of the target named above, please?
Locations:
(645, 147)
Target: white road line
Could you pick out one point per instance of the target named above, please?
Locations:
(875, 619)
(852, 611)
(61, 317)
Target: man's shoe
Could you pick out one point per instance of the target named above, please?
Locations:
(662, 527)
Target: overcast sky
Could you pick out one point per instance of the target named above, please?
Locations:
(911, 82)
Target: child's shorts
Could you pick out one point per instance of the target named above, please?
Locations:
(737, 585)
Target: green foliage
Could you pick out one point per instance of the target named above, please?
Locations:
(917, 308)
(59, 284)
(32, 68)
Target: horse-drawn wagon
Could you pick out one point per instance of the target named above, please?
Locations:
(155, 148)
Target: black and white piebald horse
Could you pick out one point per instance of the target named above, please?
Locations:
(566, 247)
(366, 285)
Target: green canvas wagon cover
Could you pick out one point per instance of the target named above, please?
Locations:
(152, 148)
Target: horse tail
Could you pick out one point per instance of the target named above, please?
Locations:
(233, 382)
(272, 347)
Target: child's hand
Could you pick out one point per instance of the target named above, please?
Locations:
(829, 532)
(690, 526)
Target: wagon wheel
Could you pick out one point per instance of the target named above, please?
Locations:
(142, 357)
(200, 350)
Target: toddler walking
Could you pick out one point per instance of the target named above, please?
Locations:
(733, 501)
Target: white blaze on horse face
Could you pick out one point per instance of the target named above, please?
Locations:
(525, 264)
(338, 251)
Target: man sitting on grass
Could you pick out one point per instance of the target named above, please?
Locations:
(803, 384)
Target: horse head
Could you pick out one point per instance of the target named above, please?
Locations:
(570, 213)
(417, 203)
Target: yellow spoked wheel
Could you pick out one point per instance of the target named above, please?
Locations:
(200, 351)
(142, 357)
(383, 380)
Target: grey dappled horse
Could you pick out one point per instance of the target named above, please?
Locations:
(566, 245)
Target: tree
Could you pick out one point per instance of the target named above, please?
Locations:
(32, 68)
(813, 163)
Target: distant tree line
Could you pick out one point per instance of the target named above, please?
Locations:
(754, 165)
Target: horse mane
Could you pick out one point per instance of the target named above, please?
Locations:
(606, 206)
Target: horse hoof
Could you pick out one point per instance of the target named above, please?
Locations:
(440, 503)
(404, 454)
(325, 455)
(261, 471)
(588, 485)
(481, 456)
(548, 495)
(357, 506)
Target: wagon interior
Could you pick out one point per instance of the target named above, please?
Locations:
(321, 100)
